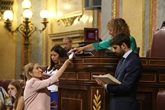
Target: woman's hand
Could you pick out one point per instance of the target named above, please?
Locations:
(76, 50)
(69, 61)
(53, 105)
(9, 107)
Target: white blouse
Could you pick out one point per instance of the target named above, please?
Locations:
(52, 88)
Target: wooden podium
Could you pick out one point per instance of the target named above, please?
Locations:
(79, 91)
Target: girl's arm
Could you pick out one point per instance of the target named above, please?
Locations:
(20, 104)
(9, 108)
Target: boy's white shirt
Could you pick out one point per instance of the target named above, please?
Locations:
(52, 88)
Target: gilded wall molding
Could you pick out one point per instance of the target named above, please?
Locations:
(153, 4)
(68, 15)
(68, 21)
(143, 22)
(150, 24)
(97, 101)
(45, 56)
(60, 35)
(44, 50)
(113, 8)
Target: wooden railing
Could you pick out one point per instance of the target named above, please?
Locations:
(79, 91)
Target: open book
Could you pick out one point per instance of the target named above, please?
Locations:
(107, 78)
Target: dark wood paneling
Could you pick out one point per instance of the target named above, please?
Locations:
(79, 91)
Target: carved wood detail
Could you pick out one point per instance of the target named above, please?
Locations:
(77, 83)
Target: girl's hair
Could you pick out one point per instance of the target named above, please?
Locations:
(60, 51)
(19, 93)
(118, 25)
(29, 68)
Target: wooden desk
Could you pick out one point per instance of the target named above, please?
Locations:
(79, 91)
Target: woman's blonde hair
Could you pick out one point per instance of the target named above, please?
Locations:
(29, 68)
(118, 25)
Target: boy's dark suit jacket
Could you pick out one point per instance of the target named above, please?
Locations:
(123, 96)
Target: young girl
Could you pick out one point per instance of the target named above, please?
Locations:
(56, 53)
(15, 93)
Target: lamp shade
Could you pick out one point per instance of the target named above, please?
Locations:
(8, 14)
(26, 4)
(44, 14)
(27, 13)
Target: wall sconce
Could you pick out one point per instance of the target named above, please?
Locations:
(5, 5)
(26, 28)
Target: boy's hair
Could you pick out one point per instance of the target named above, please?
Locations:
(120, 38)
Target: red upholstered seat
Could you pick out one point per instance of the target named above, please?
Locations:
(161, 100)
(5, 82)
(158, 44)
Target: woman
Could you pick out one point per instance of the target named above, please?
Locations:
(56, 53)
(114, 26)
(15, 93)
(36, 94)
